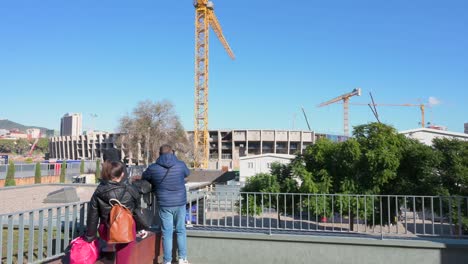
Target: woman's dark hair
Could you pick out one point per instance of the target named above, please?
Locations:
(112, 170)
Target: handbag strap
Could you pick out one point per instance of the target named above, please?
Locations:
(120, 199)
(167, 171)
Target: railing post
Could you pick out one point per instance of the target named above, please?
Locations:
(40, 238)
(1, 237)
(459, 217)
(50, 232)
(31, 238)
(20, 238)
(10, 240)
(58, 232)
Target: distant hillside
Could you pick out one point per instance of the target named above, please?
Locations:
(9, 125)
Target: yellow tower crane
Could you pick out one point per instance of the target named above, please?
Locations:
(345, 99)
(421, 108)
(204, 18)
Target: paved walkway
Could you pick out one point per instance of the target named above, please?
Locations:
(32, 197)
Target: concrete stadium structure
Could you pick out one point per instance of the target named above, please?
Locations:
(88, 146)
(226, 146)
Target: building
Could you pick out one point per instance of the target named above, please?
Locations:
(227, 146)
(33, 133)
(89, 146)
(50, 133)
(426, 135)
(4, 132)
(466, 128)
(251, 165)
(71, 125)
(16, 134)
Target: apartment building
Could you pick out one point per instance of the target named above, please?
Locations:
(71, 125)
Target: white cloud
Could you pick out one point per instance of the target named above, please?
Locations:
(434, 101)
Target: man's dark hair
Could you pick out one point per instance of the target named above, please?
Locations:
(111, 155)
(165, 149)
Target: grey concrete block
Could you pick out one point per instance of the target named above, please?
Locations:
(65, 195)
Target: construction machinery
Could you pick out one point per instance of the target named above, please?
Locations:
(33, 146)
(345, 99)
(422, 107)
(204, 19)
(306, 119)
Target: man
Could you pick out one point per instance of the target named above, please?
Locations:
(167, 176)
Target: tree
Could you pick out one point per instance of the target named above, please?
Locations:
(63, 170)
(7, 146)
(97, 174)
(381, 152)
(151, 125)
(417, 173)
(453, 166)
(22, 146)
(37, 175)
(42, 145)
(10, 178)
(82, 167)
(262, 182)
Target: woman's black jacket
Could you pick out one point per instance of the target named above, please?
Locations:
(99, 207)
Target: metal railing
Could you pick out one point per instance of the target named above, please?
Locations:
(373, 215)
(40, 235)
(47, 169)
(43, 234)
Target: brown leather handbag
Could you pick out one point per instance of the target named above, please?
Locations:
(120, 223)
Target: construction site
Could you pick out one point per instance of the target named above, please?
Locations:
(374, 192)
(222, 148)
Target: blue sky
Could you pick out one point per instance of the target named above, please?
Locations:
(104, 56)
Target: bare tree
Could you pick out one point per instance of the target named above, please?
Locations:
(150, 125)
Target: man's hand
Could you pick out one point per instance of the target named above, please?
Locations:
(142, 234)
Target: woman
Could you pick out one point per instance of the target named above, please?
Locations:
(112, 186)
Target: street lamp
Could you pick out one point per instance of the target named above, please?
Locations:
(147, 146)
(93, 117)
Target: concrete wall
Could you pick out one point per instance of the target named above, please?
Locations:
(30, 180)
(217, 247)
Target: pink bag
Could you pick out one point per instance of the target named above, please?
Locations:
(82, 252)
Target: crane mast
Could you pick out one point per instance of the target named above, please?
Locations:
(204, 18)
(345, 99)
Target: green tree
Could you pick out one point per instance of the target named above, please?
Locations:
(319, 160)
(10, 178)
(43, 145)
(288, 177)
(82, 167)
(7, 146)
(37, 175)
(98, 170)
(63, 171)
(453, 166)
(453, 172)
(417, 173)
(22, 146)
(381, 147)
(251, 204)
